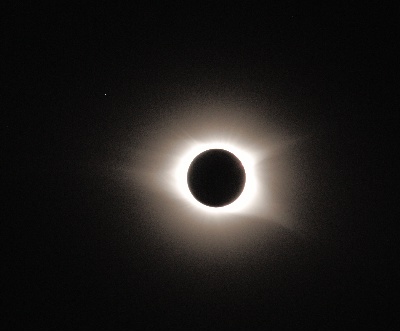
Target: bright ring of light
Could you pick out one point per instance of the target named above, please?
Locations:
(250, 189)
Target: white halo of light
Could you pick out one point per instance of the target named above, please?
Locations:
(249, 192)
(159, 165)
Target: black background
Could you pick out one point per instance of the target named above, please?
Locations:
(84, 83)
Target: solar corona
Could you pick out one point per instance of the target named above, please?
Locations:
(216, 177)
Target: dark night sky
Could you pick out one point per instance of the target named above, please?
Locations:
(86, 84)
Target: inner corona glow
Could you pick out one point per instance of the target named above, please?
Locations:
(242, 203)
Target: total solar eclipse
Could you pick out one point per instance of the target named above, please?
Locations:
(216, 177)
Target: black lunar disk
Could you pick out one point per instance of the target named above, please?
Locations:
(216, 177)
